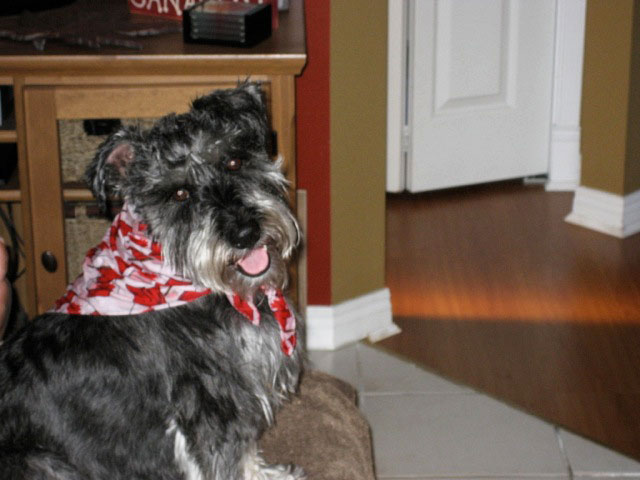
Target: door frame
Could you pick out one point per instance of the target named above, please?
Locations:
(564, 124)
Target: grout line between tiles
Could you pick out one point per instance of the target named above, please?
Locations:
(563, 452)
(602, 475)
(359, 370)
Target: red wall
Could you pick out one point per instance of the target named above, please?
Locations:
(313, 154)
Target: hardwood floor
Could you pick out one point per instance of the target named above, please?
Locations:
(493, 289)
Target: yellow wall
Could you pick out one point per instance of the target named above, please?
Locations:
(358, 145)
(611, 97)
(632, 160)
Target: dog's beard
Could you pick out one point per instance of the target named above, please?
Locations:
(209, 261)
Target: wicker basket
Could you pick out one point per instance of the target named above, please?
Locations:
(81, 233)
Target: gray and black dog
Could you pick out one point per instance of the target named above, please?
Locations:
(180, 375)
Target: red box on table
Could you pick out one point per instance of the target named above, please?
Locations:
(173, 8)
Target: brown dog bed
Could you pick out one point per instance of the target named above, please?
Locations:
(322, 431)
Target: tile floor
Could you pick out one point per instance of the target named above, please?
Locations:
(425, 427)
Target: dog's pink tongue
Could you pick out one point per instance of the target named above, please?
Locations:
(255, 262)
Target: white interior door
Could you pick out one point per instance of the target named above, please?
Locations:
(480, 76)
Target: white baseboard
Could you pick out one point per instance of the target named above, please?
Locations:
(564, 159)
(560, 186)
(606, 212)
(368, 316)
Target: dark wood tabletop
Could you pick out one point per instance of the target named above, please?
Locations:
(95, 20)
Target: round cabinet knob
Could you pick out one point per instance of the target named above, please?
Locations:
(49, 261)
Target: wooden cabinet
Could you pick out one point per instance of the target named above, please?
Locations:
(65, 82)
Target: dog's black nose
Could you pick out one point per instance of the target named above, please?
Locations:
(245, 235)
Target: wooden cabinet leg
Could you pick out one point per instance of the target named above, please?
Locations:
(45, 192)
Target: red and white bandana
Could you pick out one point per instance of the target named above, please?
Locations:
(281, 312)
(125, 275)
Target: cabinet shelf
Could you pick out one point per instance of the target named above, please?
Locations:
(8, 136)
(77, 194)
(10, 192)
(8, 132)
(10, 195)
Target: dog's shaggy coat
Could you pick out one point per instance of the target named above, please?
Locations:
(183, 392)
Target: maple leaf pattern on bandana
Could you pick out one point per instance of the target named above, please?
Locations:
(147, 296)
(125, 274)
(189, 296)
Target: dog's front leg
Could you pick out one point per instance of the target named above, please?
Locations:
(211, 460)
(255, 468)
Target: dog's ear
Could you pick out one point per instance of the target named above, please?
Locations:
(108, 169)
(253, 89)
(247, 95)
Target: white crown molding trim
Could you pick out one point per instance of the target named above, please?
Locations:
(606, 212)
(367, 316)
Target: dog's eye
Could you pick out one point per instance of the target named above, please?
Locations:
(181, 195)
(233, 164)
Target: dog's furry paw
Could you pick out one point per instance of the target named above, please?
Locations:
(277, 472)
(257, 469)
